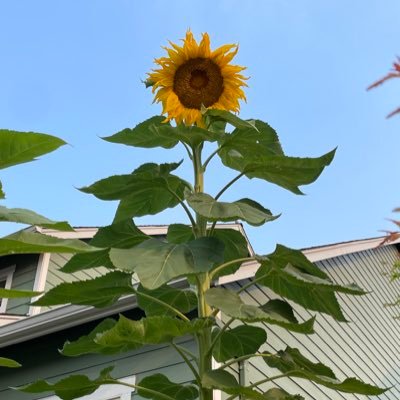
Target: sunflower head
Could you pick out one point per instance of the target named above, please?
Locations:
(193, 76)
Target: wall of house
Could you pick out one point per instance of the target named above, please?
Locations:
(23, 279)
(41, 360)
(367, 347)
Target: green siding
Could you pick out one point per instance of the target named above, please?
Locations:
(23, 279)
(42, 361)
(365, 348)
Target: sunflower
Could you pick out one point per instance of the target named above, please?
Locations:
(193, 76)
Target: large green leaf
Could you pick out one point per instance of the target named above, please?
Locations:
(70, 388)
(24, 242)
(179, 233)
(15, 294)
(81, 261)
(154, 132)
(184, 300)
(121, 235)
(98, 292)
(157, 262)
(145, 135)
(291, 362)
(128, 334)
(237, 342)
(280, 394)
(8, 363)
(86, 344)
(214, 115)
(253, 143)
(21, 147)
(161, 384)
(244, 209)
(288, 273)
(2, 194)
(230, 303)
(236, 247)
(223, 380)
(259, 155)
(31, 218)
(148, 190)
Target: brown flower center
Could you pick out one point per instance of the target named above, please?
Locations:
(198, 82)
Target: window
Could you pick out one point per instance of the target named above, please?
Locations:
(6, 275)
(108, 392)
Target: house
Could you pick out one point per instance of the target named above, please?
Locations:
(367, 347)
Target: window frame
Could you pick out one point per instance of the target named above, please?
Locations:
(6, 274)
(107, 392)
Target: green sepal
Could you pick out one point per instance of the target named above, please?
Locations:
(244, 209)
(161, 384)
(290, 274)
(184, 300)
(157, 262)
(70, 388)
(29, 217)
(291, 362)
(21, 147)
(98, 292)
(230, 303)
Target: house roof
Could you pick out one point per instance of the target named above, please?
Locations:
(71, 315)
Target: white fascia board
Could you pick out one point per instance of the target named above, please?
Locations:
(249, 269)
(58, 319)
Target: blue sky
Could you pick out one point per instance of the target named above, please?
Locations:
(74, 68)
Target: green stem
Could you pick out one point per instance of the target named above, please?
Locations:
(210, 158)
(253, 282)
(187, 361)
(162, 303)
(218, 335)
(158, 395)
(228, 185)
(187, 148)
(185, 207)
(228, 264)
(243, 358)
(203, 282)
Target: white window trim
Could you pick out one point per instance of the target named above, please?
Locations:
(7, 274)
(40, 280)
(108, 392)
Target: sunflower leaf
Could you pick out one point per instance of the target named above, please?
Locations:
(288, 273)
(111, 286)
(291, 362)
(244, 209)
(29, 217)
(72, 387)
(230, 303)
(9, 363)
(161, 384)
(21, 147)
(145, 135)
(157, 262)
(215, 115)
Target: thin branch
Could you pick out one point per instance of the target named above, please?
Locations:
(228, 264)
(259, 383)
(243, 358)
(158, 395)
(162, 303)
(210, 158)
(218, 335)
(187, 361)
(272, 378)
(228, 185)
(253, 282)
(185, 207)
(188, 150)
